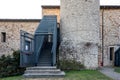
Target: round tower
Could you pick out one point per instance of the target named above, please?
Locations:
(80, 31)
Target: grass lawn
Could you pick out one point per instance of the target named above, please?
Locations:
(117, 69)
(74, 75)
(12, 78)
(85, 75)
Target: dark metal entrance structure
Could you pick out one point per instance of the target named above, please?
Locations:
(117, 57)
(42, 44)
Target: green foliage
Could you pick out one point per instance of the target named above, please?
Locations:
(9, 65)
(70, 65)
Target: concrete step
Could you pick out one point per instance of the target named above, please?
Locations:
(45, 54)
(43, 75)
(41, 68)
(44, 60)
(43, 71)
(45, 57)
(43, 64)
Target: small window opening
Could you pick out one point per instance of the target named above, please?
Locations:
(27, 46)
(3, 36)
(49, 38)
(111, 53)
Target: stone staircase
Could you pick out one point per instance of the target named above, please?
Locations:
(43, 72)
(45, 58)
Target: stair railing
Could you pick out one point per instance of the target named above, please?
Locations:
(54, 46)
(39, 48)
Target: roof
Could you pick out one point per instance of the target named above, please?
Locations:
(50, 6)
(109, 7)
(101, 6)
(20, 20)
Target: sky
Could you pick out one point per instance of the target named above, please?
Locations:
(31, 9)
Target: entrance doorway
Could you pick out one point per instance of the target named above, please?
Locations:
(111, 53)
(117, 58)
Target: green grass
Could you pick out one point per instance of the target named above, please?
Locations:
(74, 75)
(117, 69)
(85, 75)
(12, 78)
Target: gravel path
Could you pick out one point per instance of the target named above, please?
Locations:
(110, 73)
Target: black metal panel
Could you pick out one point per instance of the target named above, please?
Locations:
(26, 49)
(117, 57)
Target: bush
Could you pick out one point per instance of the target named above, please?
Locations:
(70, 65)
(9, 65)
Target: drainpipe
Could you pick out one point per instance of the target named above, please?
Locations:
(102, 63)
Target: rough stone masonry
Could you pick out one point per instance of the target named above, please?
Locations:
(80, 31)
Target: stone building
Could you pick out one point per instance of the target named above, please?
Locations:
(79, 28)
(109, 32)
(51, 10)
(10, 29)
(10, 33)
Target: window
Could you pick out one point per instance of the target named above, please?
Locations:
(27, 46)
(111, 53)
(3, 36)
(49, 38)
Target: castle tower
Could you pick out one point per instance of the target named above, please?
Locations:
(80, 31)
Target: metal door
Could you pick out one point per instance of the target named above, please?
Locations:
(117, 57)
(27, 57)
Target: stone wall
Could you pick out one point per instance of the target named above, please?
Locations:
(51, 10)
(80, 31)
(111, 31)
(12, 29)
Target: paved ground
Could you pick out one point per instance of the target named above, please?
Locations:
(110, 73)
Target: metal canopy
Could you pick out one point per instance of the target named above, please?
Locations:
(47, 28)
(46, 25)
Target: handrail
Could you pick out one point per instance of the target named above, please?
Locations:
(44, 33)
(54, 46)
(39, 49)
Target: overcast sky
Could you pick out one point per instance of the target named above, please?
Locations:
(31, 9)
